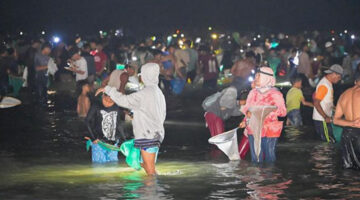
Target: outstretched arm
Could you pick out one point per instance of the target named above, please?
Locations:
(131, 101)
(306, 103)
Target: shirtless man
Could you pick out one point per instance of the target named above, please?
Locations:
(349, 107)
(241, 71)
(83, 104)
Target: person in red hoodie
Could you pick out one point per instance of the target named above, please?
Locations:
(265, 94)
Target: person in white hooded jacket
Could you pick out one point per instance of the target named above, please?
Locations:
(149, 108)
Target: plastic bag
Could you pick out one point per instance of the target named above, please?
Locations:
(52, 67)
(210, 100)
(16, 83)
(337, 132)
(177, 85)
(131, 153)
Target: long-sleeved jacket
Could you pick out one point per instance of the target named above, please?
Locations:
(272, 126)
(105, 123)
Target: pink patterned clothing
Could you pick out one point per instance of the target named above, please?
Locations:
(273, 97)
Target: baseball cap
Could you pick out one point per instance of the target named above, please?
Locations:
(335, 68)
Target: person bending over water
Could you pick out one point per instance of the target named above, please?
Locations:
(347, 114)
(149, 108)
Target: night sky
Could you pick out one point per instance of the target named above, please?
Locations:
(154, 16)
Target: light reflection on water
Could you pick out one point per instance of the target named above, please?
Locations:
(222, 180)
(44, 157)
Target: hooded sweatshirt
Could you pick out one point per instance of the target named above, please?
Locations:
(148, 105)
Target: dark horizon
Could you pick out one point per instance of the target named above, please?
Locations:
(151, 17)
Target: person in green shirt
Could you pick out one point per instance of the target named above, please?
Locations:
(293, 99)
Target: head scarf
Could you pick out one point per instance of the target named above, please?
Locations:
(267, 79)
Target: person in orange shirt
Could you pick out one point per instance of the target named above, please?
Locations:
(324, 102)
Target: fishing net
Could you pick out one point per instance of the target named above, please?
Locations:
(258, 115)
(227, 143)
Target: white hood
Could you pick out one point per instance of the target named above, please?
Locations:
(150, 74)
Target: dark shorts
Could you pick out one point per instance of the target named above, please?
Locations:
(350, 146)
(148, 145)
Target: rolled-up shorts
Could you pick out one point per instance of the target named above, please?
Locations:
(150, 150)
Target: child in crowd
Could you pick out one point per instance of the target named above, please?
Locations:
(293, 99)
(105, 124)
(83, 104)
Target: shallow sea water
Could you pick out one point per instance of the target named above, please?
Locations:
(43, 156)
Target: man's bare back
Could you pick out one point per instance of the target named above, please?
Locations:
(83, 105)
(242, 68)
(349, 107)
(350, 103)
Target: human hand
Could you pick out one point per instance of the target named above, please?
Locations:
(327, 119)
(72, 68)
(96, 141)
(356, 123)
(242, 124)
(100, 90)
(87, 138)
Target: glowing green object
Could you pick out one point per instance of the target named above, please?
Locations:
(274, 45)
(120, 66)
(221, 68)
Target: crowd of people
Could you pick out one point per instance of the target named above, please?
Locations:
(133, 76)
